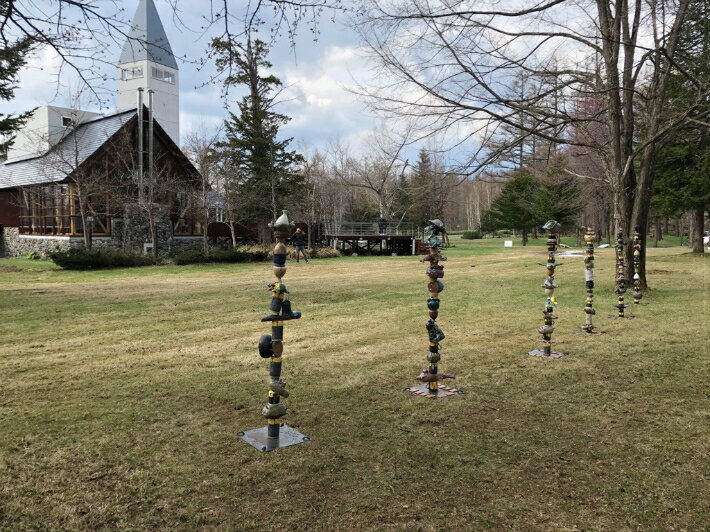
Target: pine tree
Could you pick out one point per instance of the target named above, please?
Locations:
(515, 207)
(12, 58)
(683, 164)
(262, 168)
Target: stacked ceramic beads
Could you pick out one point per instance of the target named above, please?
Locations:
(589, 238)
(549, 286)
(271, 345)
(637, 266)
(620, 289)
(435, 272)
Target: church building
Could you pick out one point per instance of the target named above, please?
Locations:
(120, 179)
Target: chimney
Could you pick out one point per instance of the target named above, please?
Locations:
(140, 144)
(150, 134)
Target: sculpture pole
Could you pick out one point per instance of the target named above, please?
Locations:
(546, 330)
(589, 237)
(271, 346)
(637, 266)
(430, 376)
(620, 289)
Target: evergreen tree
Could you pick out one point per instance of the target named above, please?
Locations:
(682, 166)
(526, 203)
(558, 198)
(12, 58)
(419, 190)
(515, 207)
(262, 168)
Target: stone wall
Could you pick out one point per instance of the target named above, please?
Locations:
(129, 233)
(13, 244)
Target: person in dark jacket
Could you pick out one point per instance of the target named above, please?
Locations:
(299, 240)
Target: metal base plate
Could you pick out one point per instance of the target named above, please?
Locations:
(587, 333)
(423, 391)
(541, 353)
(614, 317)
(259, 438)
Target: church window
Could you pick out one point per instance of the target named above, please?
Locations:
(131, 73)
(163, 75)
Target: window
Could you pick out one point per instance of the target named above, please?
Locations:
(67, 121)
(163, 75)
(54, 210)
(131, 73)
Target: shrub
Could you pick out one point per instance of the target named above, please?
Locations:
(243, 254)
(251, 253)
(324, 253)
(94, 259)
(471, 235)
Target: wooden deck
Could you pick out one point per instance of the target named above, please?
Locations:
(362, 238)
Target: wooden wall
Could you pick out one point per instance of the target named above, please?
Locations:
(9, 208)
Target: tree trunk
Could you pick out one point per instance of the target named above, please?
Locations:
(264, 232)
(87, 236)
(233, 233)
(657, 235)
(698, 226)
(153, 235)
(205, 242)
(525, 236)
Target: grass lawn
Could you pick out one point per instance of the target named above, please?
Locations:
(121, 392)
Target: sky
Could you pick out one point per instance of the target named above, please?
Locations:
(316, 75)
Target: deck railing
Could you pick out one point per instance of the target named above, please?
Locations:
(370, 228)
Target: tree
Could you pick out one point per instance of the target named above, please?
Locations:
(683, 164)
(200, 148)
(82, 32)
(379, 172)
(13, 56)
(682, 183)
(449, 65)
(526, 202)
(515, 207)
(262, 166)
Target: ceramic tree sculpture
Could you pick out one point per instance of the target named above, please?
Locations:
(430, 376)
(590, 237)
(637, 266)
(620, 289)
(546, 330)
(276, 434)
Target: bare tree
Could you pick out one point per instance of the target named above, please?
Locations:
(91, 190)
(200, 149)
(82, 32)
(450, 67)
(377, 172)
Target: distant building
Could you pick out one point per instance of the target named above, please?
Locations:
(61, 153)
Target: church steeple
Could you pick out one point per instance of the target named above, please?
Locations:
(147, 61)
(147, 40)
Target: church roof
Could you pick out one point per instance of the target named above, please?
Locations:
(146, 39)
(55, 165)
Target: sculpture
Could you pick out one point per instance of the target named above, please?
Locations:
(620, 289)
(590, 237)
(637, 266)
(272, 436)
(435, 271)
(553, 228)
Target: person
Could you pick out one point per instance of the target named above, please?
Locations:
(382, 223)
(299, 240)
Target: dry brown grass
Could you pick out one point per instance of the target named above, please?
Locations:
(122, 392)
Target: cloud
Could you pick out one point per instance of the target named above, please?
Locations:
(316, 74)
